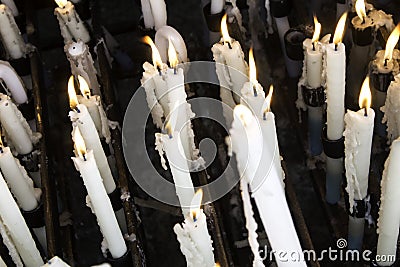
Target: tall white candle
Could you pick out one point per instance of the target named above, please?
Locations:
(313, 57)
(100, 203)
(193, 236)
(392, 110)
(229, 53)
(17, 130)
(81, 119)
(10, 34)
(11, 5)
(13, 83)
(358, 142)
(389, 215)
(217, 6)
(71, 26)
(17, 228)
(336, 81)
(154, 13)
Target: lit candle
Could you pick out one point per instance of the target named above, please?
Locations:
(389, 216)
(10, 34)
(391, 110)
(335, 81)
(21, 185)
(358, 142)
(228, 54)
(13, 83)
(164, 36)
(100, 203)
(11, 5)
(154, 13)
(81, 63)
(81, 119)
(71, 26)
(12, 218)
(193, 236)
(313, 57)
(17, 130)
(95, 108)
(170, 143)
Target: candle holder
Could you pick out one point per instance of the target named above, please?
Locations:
(334, 150)
(361, 209)
(314, 98)
(213, 20)
(34, 218)
(381, 81)
(123, 261)
(115, 198)
(294, 38)
(362, 37)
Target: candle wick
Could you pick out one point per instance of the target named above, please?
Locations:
(365, 112)
(255, 90)
(84, 157)
(385, 62)
(229, 45)
(336, 46)
(77, 110)
(175, 71)
(159, 70)
(265, 115)
(1, 149)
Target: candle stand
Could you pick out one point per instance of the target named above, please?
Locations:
(213, 22)
(357, 218)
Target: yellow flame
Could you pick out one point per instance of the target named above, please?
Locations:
(360, 9)
(217, 265)
(61, 3)
(252, 67)
(79, 143)
(172, 56)
(196, 203)
(339, 31)
(73, 100)
(224, 29)
(364, 101)
(268, 99)
(1, 141)
(157, 62)
(317, 30)
(83, 86)
(243, 113)
(392, 42)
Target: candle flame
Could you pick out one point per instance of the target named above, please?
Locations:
(170, 123)
(217, 265)
(267, 102)
(252, 68)
(391, 43)
(1, 141)
(360, 9)
(195, 205)
(243, 113)
(61, 3)
(73, 100)
(80, 146)
(172, 56)
(157, 62)
(317, 30)
(83, 86)
(224, 29)
(364, 101)
(339, 31)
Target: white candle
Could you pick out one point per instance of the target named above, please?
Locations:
(154, 13)
(313, 57)
(21, 185)
(171, 145)
(95, 108)
(13, 83)
(100, 203)
(10, 34)
(71, 26)
(217, 6)
(81, 119)
(193, 236)
(17, 228)
(384, 60)
(358, 142)
(389, 216)
(55, 262)
(17, 130)
(392, 110)
(336, 81)
(81, 63)
(167, 34)
(11, 5)
(229, 53)
(2, 263)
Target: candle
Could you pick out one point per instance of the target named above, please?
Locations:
(313, 57)
(335, 81)
(20, 183)
(101, 206)
(391, 110)
(171, 144)
(228, 54)
(95, 108)
(358, 141)
(10, 34)
(217, 6)
(82, 64)
(13, 83)
(18, 230)
(17, 130)
(389, 216)
(154, 13)
(167, 34)
(11, 5)
(265, 183)
(362, 25)
(193, 236)
(56, 262)
(71, 26)
(81, 119)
